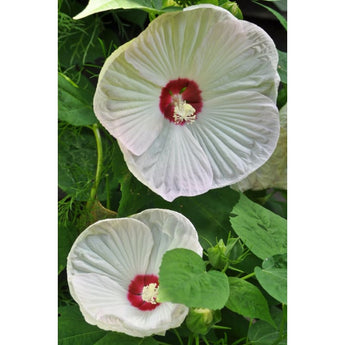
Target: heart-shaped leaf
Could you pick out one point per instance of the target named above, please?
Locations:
(273, 277)
(183, 279)
(247, 300)
(261, 230)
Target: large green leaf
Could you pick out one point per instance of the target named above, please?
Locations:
(247, 300)
(95, 6)
(273, 277)
(262, 231)
(262, 333)
(183, 279)
(73, 330)
(74, 103)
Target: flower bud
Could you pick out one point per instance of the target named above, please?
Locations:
(200, 320)
(233, 8)
(217, 255)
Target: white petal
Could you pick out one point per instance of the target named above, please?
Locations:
(118, 249)
(170, 230)
(104, 303)
(164, 51)
(238, 132)
(128, 105)
(174, 165)
(273, 174)
(245, 59)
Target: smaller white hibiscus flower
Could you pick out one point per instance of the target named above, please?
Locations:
(192, 101)
(113, 267)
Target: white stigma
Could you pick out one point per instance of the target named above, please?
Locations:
(150, 293)
(183, 112)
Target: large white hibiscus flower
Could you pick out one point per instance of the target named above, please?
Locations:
(191, 101)
(113, 266)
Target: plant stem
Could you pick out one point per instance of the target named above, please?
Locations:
(178, 336)
(248, 276)
(94, 188)
(205, 340)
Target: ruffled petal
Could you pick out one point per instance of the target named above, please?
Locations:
(174, 165)
(273, 174)
(170, 230)
(246, 59)
(118, 249)
(164, 51)
(238, 132)
(127, 104)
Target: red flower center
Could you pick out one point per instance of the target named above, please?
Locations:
(180, 101)
(142, 291)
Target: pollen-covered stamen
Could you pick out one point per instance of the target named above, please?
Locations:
(181, 101)
(150, 293)
(183, 112)
(143, 291)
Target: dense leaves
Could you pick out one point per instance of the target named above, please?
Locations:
(75, 104)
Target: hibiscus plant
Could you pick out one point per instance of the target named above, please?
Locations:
(172, 172)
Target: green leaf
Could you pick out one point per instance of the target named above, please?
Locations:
(74, 103)
(208, 212)
(282, 66)
(281, 19)
(95, 6)
(183, 279)
(66, 236)
(262, 231)
(262, 333)
(281, 4)
(73, 330)
(247, 300)
(273, 277)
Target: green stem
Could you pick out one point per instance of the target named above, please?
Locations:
(197, 339)
(94, 188)
(205, 340)
(225, 267)
(178, 336)
(248, 275)
(247, 339)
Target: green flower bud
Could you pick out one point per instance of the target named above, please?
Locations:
(233, 8)
(200, 320)
(217, 255)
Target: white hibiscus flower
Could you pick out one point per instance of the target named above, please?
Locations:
(113, 267)
(191, 101)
